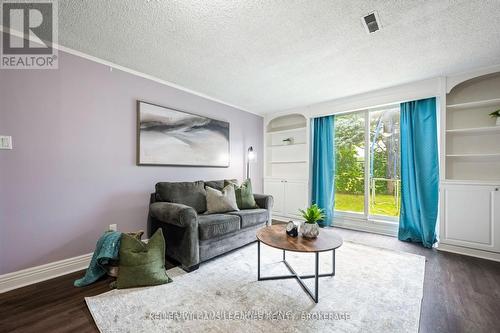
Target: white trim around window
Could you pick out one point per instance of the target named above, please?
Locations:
(371, 224)
(387, 225)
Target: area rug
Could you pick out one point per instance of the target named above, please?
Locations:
(374, 290)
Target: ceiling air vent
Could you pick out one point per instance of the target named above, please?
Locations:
(371, 22)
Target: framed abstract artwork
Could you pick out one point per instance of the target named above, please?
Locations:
(167, 136)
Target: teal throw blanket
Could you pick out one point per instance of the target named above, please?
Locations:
(107, 249)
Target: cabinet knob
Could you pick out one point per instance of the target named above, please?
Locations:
(496, 189)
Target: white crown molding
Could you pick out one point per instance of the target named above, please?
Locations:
(134, 72)
(430, 87)
(369, 100)
(41, 273)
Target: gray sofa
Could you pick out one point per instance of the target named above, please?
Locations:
(192, 237)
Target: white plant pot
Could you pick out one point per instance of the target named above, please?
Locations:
(498, 121)
(309, 230)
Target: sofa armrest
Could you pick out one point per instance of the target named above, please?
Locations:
(172, 213)
(180, 228)
(264, 201)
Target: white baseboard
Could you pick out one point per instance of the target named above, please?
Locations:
(469, 252)
(40, 273)
(52, 270)
(381, 229)
(48, 271)
(279, 219)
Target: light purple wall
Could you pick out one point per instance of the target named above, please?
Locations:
(72, 171)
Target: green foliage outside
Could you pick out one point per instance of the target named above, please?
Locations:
(349, 163)
(349, 177)
(349, 167)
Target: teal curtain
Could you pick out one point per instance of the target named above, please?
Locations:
(323, 166)
(419, 172)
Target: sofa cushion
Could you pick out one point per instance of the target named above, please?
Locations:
(187, 193)
(250, 217)
(218, 184)
(213, 225)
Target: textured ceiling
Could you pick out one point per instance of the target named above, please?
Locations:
(266, 56)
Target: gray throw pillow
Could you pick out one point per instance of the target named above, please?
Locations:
(221, 201)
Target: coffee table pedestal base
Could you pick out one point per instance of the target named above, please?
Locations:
(296, 276)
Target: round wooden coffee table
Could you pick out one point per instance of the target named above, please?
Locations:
(275, 236)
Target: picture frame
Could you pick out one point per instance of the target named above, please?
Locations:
(172, 137)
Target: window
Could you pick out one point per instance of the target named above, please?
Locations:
(367, 164)
(350, 162)
(384, 163)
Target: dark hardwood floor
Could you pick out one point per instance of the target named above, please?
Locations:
(461, 294)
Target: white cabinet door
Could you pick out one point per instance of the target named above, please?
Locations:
(471, 216)
(276, 188)
(296, 194)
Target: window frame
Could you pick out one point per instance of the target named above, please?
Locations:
(366, 216)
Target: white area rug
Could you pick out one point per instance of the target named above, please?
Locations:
(374, 290)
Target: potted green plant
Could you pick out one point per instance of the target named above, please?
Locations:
(311, 215)
(496, 115)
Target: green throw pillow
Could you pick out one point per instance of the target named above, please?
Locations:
(244, 194)
(142, 264)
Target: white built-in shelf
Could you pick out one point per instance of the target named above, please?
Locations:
(285, 162)
(293, 144)
(286, 159)
(286, 130)
(475, 156)
(475, 104)
(475, 130)
(471, 182)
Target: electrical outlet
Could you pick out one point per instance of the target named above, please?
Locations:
(5, 142)
(113, 227)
